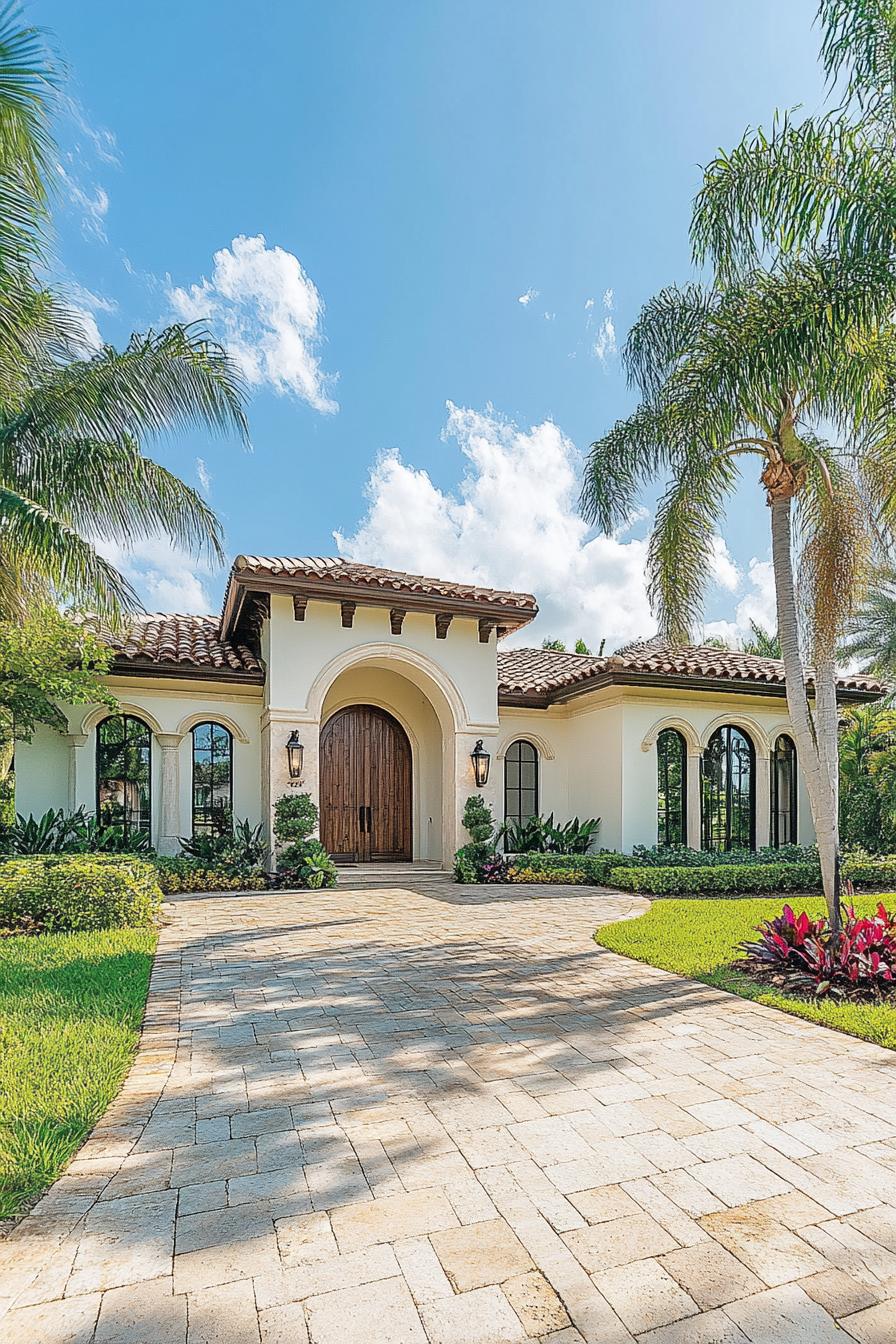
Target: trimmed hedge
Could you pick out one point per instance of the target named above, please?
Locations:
(548, 876)
(68, 893)
(748, 878)
(178, 874)
(593, 869)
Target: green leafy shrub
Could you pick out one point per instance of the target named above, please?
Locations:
(295, 817)
(177, 873)
(680, 856)
(548, 876)
(594, 868)
(301, 861)
(478, 819)
(470, 861)
(75, 833)
(238, 851)
(541, 835)
(750, 877)
(69, 893)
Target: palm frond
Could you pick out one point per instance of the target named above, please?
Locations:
(28, 82)
(664, 333)
(625, 460)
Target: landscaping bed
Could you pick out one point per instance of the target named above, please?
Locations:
(701, 939)
(71, 1007)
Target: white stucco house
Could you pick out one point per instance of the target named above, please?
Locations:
(371, 689)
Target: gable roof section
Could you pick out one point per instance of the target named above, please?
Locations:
(331, 578)
(178, 645)
(542, 677)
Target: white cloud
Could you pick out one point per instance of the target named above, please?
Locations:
(92, 201)
(512, 523)
(757, 604)
(724, 570)
(164, 577)
(526, 299)
(609, 300)
(203, 474)
(268, 312)
(589, 304)
(84, 305)
(605, 341)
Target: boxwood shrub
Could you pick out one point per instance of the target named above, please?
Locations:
(594, 869)
(73, 892)
(735, 878)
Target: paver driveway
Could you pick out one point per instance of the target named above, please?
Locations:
(398, 1117)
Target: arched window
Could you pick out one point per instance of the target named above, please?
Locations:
(520, 781)
(783, 792)
(729, 791)
(212, 779)
(671, 788)
(124, 772)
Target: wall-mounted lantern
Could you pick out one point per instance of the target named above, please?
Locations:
(295, 755)
(481, 759)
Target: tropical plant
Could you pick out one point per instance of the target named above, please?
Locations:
(541, 835)
(238, 850)
(301, 861)
(72, 427)
(868, 776)
(57, 832)
(762, 642)
(871, 634)
(860, 961)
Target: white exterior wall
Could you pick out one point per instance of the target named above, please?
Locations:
(58, 771)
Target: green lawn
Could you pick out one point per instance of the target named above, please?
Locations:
(71, 1005)
(699, 938)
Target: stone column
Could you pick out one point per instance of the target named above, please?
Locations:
(694, 800)
(169, 829)
(74, 740)
(763, 801)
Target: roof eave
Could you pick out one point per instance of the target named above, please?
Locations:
(543, 699)
(135, 667)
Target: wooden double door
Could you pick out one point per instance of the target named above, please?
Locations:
(365, 786)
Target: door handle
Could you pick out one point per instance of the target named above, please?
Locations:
(361, 819)
(368, 821)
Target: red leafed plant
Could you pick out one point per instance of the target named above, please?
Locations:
(859, 962)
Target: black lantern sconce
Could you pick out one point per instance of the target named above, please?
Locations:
(295, 755)
(481, 760)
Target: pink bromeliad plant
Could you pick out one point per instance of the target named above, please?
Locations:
(858, 961)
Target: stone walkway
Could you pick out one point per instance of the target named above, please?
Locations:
(389, 1117)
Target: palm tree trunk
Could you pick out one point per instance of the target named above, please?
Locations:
(813, 747)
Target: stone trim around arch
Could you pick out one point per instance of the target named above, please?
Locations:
(389, 655)
(756, 733)
(94, 717)
(687, 730)
(541, 744)
(189, 722)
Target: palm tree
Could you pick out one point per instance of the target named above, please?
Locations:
(762, 642)
(871, 635)
(71, 428)
(828, 180)
(750, 368)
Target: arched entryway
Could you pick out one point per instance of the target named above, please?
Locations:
(365, 786)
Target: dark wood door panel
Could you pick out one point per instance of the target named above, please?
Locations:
(365, 786)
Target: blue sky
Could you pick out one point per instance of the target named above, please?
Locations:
(357, 197)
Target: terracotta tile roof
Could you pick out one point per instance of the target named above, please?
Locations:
(351, 574)
(176, 640)
(544, 673)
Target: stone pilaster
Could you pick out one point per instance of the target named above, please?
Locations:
(75, 742)
(694, 800)
(169, 828)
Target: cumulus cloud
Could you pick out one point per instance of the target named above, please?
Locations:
(268, 312)
(164, 577)
(526, 299)
(84, 305)
(756, 604)
(513, 522)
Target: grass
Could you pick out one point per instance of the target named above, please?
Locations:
(71, 1005)
(699, 939)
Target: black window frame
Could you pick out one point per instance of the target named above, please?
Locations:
(208, 827)
(103, 754)
(718, 796)
(777, 812)
(513, 761)
(664, 828)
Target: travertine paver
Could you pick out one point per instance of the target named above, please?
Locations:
(447, 1117)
